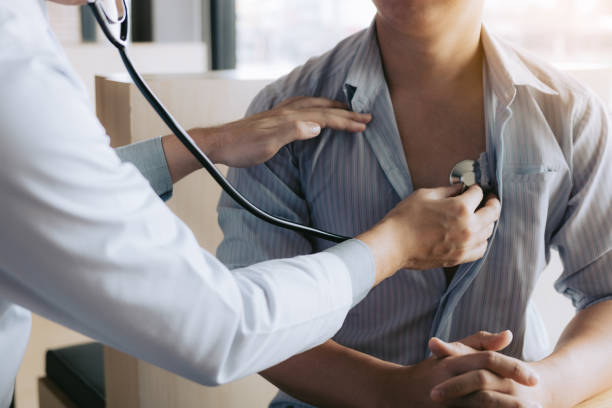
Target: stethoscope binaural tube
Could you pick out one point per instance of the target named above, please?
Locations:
(120, 43)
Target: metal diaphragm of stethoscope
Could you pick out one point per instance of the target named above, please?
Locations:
(113, 18)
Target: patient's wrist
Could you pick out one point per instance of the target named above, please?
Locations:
(390, 384)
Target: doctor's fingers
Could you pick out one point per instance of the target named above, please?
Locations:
(470, 237)
(469, 201)
(482, 236)
(490, 211)
(304, 102)
(337, 119)
(465, 255)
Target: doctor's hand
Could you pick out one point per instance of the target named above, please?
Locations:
(257, 138)
(414, 384)
(434, 228)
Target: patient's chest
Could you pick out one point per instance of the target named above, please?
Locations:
(435, 138)
(348, 189)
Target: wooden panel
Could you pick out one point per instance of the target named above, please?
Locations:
(121, 379)
(194, 100)
(45, 335)
(50, 396)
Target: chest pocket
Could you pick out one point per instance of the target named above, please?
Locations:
(533, 204)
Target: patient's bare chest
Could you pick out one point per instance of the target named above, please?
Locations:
(435, 139)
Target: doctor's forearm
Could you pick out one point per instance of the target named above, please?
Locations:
(181, 162)
(580, 365)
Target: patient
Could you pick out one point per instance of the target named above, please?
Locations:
(441, 89)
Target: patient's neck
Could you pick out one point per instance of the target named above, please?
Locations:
(434, 58)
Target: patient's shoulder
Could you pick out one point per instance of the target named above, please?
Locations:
(320, 76)
(566, 89)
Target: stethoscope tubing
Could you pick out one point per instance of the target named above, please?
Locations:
(120, 43)
(188, 142)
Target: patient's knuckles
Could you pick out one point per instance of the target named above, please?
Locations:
(490, 360)
(456, 389)
(518, 371)
(510, 387)
(487, 399)
(481, 379)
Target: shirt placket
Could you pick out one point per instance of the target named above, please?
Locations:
(467, 273)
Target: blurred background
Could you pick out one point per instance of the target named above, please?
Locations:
(267, 38)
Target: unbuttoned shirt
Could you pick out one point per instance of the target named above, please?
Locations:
(549, 155)
(85, 241)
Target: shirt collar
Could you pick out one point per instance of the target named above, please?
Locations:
(366, 75)
(506, 68)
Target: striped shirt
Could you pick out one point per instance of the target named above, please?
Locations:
(549, 155)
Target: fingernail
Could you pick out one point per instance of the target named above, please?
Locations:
(534, 378)
(313, 128)
(436, 394)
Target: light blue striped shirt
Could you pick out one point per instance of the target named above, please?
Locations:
(549, 149)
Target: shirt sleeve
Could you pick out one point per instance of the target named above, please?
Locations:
(584, 240)
(275, 187)
(149, 158)
(86, 242)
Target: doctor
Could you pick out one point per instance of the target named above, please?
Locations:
(86, 242)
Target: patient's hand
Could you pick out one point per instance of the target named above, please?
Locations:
(475, 384)
(413, 385)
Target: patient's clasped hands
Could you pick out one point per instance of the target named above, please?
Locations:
(468, 373)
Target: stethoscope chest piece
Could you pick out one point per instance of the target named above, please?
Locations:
(466, 172)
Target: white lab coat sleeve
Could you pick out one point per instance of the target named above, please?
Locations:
(85, 241)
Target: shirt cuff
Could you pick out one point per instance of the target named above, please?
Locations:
(149, 158)
(360, 264)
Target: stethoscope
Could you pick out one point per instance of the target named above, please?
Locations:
(112, 16)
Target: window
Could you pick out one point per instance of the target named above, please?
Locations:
(275, 35)
(285, 33)
(559, 30)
